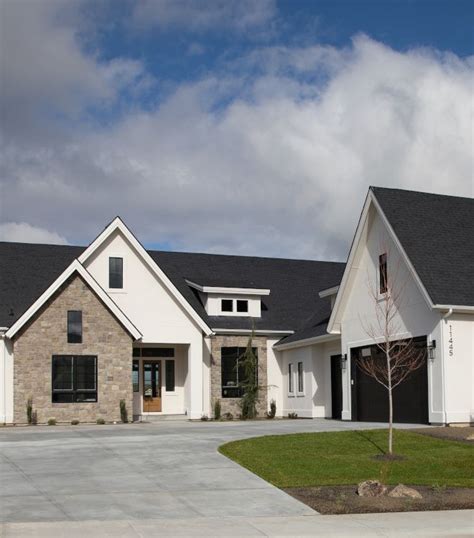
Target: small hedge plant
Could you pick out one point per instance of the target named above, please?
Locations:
(123, 412)
(51, 422)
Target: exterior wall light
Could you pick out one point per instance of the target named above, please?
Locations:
(344, 361)
(431, 350)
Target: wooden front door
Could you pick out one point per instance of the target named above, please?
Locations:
(151, 386)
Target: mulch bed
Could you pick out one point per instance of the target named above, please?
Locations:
(452, 433)
(344, 500)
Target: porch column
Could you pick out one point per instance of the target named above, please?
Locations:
(195, 373)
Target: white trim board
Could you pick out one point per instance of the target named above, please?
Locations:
(75, 266)
(370, 200)
(118, 224)
(229, 291)
(307, 342)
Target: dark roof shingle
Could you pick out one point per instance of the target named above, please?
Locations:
(27, 270)
(437, 233)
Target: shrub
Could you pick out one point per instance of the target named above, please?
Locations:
(29, 410)
(204, 418)
(123, 412)
(273, 409)
(217, 409)
(249, 385)
(31, 415)
(100, 421)
(228, 416)
(74, 422)
(51, 422)
(292, 415)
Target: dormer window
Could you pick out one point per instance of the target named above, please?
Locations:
(242, 306)
(227, 301)
(227, 305)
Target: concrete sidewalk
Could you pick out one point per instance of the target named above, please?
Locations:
(427, 524)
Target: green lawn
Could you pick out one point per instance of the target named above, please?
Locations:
(338, 458)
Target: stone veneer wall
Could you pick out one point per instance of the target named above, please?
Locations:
(46, 335)
(231, 405)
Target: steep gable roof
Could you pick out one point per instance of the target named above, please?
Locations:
(74, 268)
(437, 234)
(27, 270)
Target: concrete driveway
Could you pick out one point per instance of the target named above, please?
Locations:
(138, 473)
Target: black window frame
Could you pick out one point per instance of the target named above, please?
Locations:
(235, 353)
(74, 336)
(227, 302)
(75, 394)
(291, 388)
(300, 375)
(383, 273)
(170, 375)
(136, 375)
(240, 304)
(115, 273)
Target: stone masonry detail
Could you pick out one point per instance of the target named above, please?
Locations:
(46, 335)
(231, 405)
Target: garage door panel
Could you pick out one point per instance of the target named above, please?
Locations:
(370, 398)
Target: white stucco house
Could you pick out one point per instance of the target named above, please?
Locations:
(86, 328)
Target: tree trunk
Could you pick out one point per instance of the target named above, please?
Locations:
(390, 404)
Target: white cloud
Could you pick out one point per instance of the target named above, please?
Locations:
(215, 15)
(271, 156)
(45, 74)
(22, 232)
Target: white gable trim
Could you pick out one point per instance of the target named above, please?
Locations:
(371, 199)
(230, 291)
(75, 266)
(307, 342)
(118, 224)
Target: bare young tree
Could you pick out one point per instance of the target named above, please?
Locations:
(396, 359)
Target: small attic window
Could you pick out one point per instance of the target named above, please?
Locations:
(242, 305)
(227, 305)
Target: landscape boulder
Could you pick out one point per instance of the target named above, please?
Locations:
(402, 491)
(371, 488)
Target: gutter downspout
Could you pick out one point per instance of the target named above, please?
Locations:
(443, 366)
(2, 336)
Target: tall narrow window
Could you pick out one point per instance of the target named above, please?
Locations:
(136, 376)
(169, 376)
(290, 378)
(383, 283)
(116, 273)
(74, 327)
(300, 378)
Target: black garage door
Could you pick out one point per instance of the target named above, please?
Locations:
(370, 398)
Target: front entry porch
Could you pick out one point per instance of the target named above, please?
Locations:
(159, 375)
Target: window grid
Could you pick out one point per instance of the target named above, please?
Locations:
(74, 378)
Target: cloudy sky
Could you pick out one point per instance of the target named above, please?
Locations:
(247, 126)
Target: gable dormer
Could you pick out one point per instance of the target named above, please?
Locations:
(227, 301)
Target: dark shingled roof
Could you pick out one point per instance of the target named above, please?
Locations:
(27, 270)
(437, 233)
